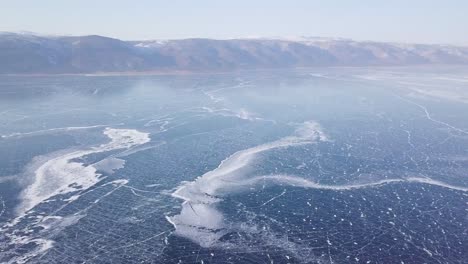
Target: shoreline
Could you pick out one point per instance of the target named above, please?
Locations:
(238, 70)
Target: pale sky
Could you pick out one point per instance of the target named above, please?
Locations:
(416, 21)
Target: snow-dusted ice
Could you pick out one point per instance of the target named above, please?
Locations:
(332, 165)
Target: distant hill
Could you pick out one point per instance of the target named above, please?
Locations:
(29, 53)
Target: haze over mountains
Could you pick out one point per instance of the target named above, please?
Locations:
(35, 54)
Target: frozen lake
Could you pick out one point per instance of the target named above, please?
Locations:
(326, 165)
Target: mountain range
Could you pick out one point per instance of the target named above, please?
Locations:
(22, 53)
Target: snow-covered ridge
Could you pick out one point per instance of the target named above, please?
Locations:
(57, 54)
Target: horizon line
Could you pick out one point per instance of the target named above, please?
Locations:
(299, 38)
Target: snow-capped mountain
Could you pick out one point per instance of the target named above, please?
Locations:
(32, 53)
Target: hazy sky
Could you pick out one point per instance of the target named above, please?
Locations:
(429, 21)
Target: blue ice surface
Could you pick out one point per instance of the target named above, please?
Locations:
(325, 165)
